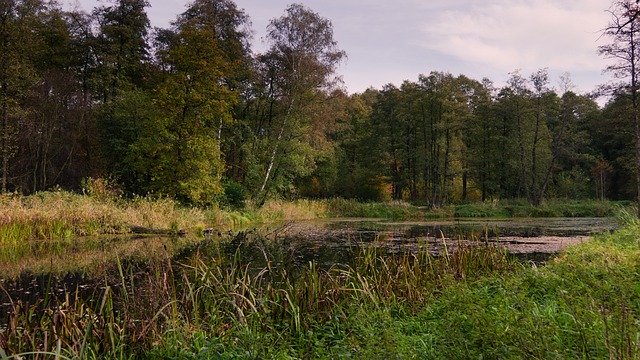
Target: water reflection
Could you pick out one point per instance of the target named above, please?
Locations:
(325, 241)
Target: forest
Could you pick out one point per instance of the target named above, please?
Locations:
(192, 113)
(170, 193)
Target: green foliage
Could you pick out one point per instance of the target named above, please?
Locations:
(551, 208)
(122, 48)
(355, 209)
(235, 195)
(175, 113)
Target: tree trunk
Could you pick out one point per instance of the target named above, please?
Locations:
(464, 186)
(444, 197)
(4, 93)
(534, 158)
(273, 157)
(637, 124)
(274, 152)
(5, 140)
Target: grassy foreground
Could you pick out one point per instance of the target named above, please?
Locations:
(584, 304)
(476, 303)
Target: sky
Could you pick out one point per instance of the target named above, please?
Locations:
(389, 41)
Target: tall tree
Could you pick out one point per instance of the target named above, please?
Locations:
(229, 27)
(300, 66)
(482, 136)
(624, 33)
(168, 139)
(358, 151)
(543, 108)
(18, 44)
(122, 47)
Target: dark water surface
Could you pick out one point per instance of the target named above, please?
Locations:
(327, 241)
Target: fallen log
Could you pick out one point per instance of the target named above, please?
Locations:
(141, 230)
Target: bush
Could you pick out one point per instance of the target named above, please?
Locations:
(234, 195)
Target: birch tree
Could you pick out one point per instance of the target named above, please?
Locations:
(301, 63)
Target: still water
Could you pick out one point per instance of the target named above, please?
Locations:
(319, 239)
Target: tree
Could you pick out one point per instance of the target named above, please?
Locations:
(122, 48)
(48, 151)
(299, 67)
(166, 140)
(571, 147)
(616, 149)
(624, 33)
(230, 29)
(358, 160)
(18, 44)
(482, 136)
(544, 108)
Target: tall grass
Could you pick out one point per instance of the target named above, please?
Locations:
(50, 222)
(60, 214)
(471, 303)
(337, 208)
(390, 210)
(216, 296)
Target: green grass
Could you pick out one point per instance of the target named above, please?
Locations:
(585, 304)
(522, 208)
(391, 210)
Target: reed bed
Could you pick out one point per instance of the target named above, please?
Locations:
(239, 299)
(217, 296)
(469, 303)
(50, 222)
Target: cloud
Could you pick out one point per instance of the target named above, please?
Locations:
(507, 34)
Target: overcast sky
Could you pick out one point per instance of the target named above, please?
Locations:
(388, 41)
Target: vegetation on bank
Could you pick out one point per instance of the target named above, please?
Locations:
(48, 230)
(63, 215)
(476, 302)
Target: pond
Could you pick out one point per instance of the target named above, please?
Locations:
(326, 241)
(88, 271)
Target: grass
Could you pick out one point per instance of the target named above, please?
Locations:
(52, 223)
(60, 214)
(398, 210)
(551, 208)
(219, 300)
(473, 303)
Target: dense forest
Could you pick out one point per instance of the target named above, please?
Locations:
(190, 112)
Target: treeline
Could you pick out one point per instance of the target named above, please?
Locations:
(192, 113)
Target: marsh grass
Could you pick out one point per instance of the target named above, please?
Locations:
(56, 222)
(389, 210)
(58, 216)
(212, 295)
(398, 210)
(472, 302)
